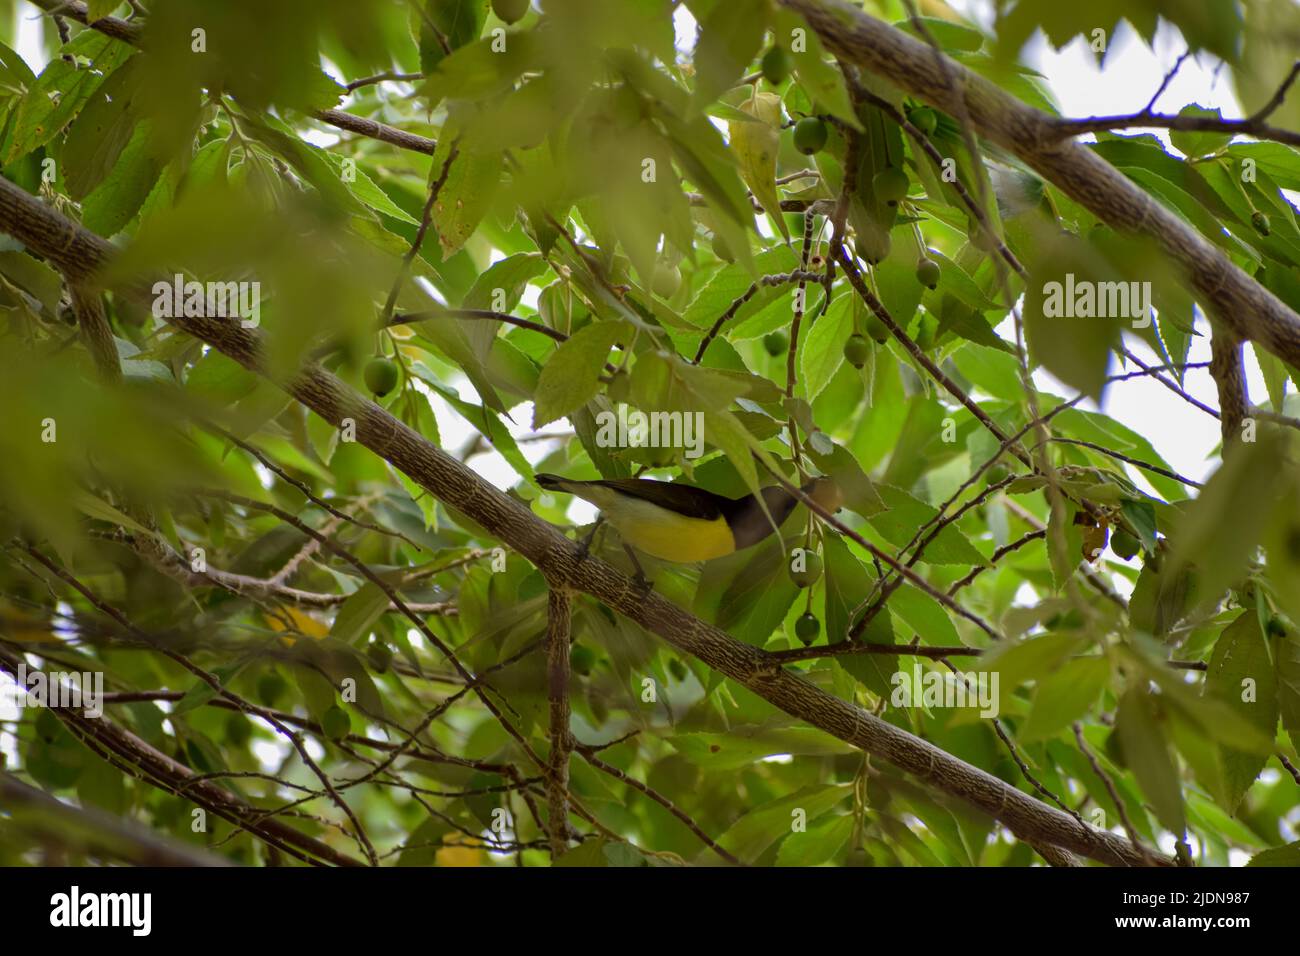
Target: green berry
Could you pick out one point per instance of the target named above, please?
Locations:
(1123, 544)
(856, 350)
(380, 656)
(270, 688)
(890, 185)
(666, 281)
(811, 571)
(336, 723)
(877, 330)
(380, 375)
(776, 343)
(1261, 223)
(677, 669)
(810, 135)
(807, 627)
(996, 473)
(924, 119)
(776, 65)
(510, 11)
(581, 659)
(721, 249)
(927, 272)
(872, 247)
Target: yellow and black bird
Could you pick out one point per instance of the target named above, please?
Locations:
(682, 523)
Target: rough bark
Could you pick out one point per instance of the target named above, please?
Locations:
(559, 617)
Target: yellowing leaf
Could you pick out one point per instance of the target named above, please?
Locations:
(299, 621)
(465, 197)
(755, 143)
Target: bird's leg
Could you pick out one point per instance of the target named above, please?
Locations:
(584, 546)
(640, 580)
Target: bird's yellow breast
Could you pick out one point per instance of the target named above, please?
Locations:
(678, 539)
(661, 533)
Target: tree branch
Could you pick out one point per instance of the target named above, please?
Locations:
(1252, 311)
(559, 615)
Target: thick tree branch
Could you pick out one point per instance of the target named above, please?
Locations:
(559, 616)
(1252, 311)
(93, 831)
(1229, 373)
(88, 306)
(141, 759)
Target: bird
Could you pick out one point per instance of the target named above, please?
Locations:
(681, 523)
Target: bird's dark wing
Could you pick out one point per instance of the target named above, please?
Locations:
(683, 499)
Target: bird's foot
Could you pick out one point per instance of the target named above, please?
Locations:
(584, 546)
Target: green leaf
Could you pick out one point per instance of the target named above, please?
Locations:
(757, 830)
(743, 746)
(730, 283)
(729, 39)
(1288, 685)
(357, 616)
(466, 195)
(482, 418)
(571, 376)
(1063, 329)
(476, 70)
(366, 190)
(924, 615)
(1288, 855)
(847, 584)
(116, 200)
(97, 507)
(1242, 675)
(62, 89)
(101, 132)
(98, 9)
(1227, 521)
(457, 22)
(821, 352)
(1147, 755)
(1065, 695)
(511, 275)
(906, 514)
(756, 142)
(200, 692)
(1199, 143)
(759, 596)
(821, 844)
